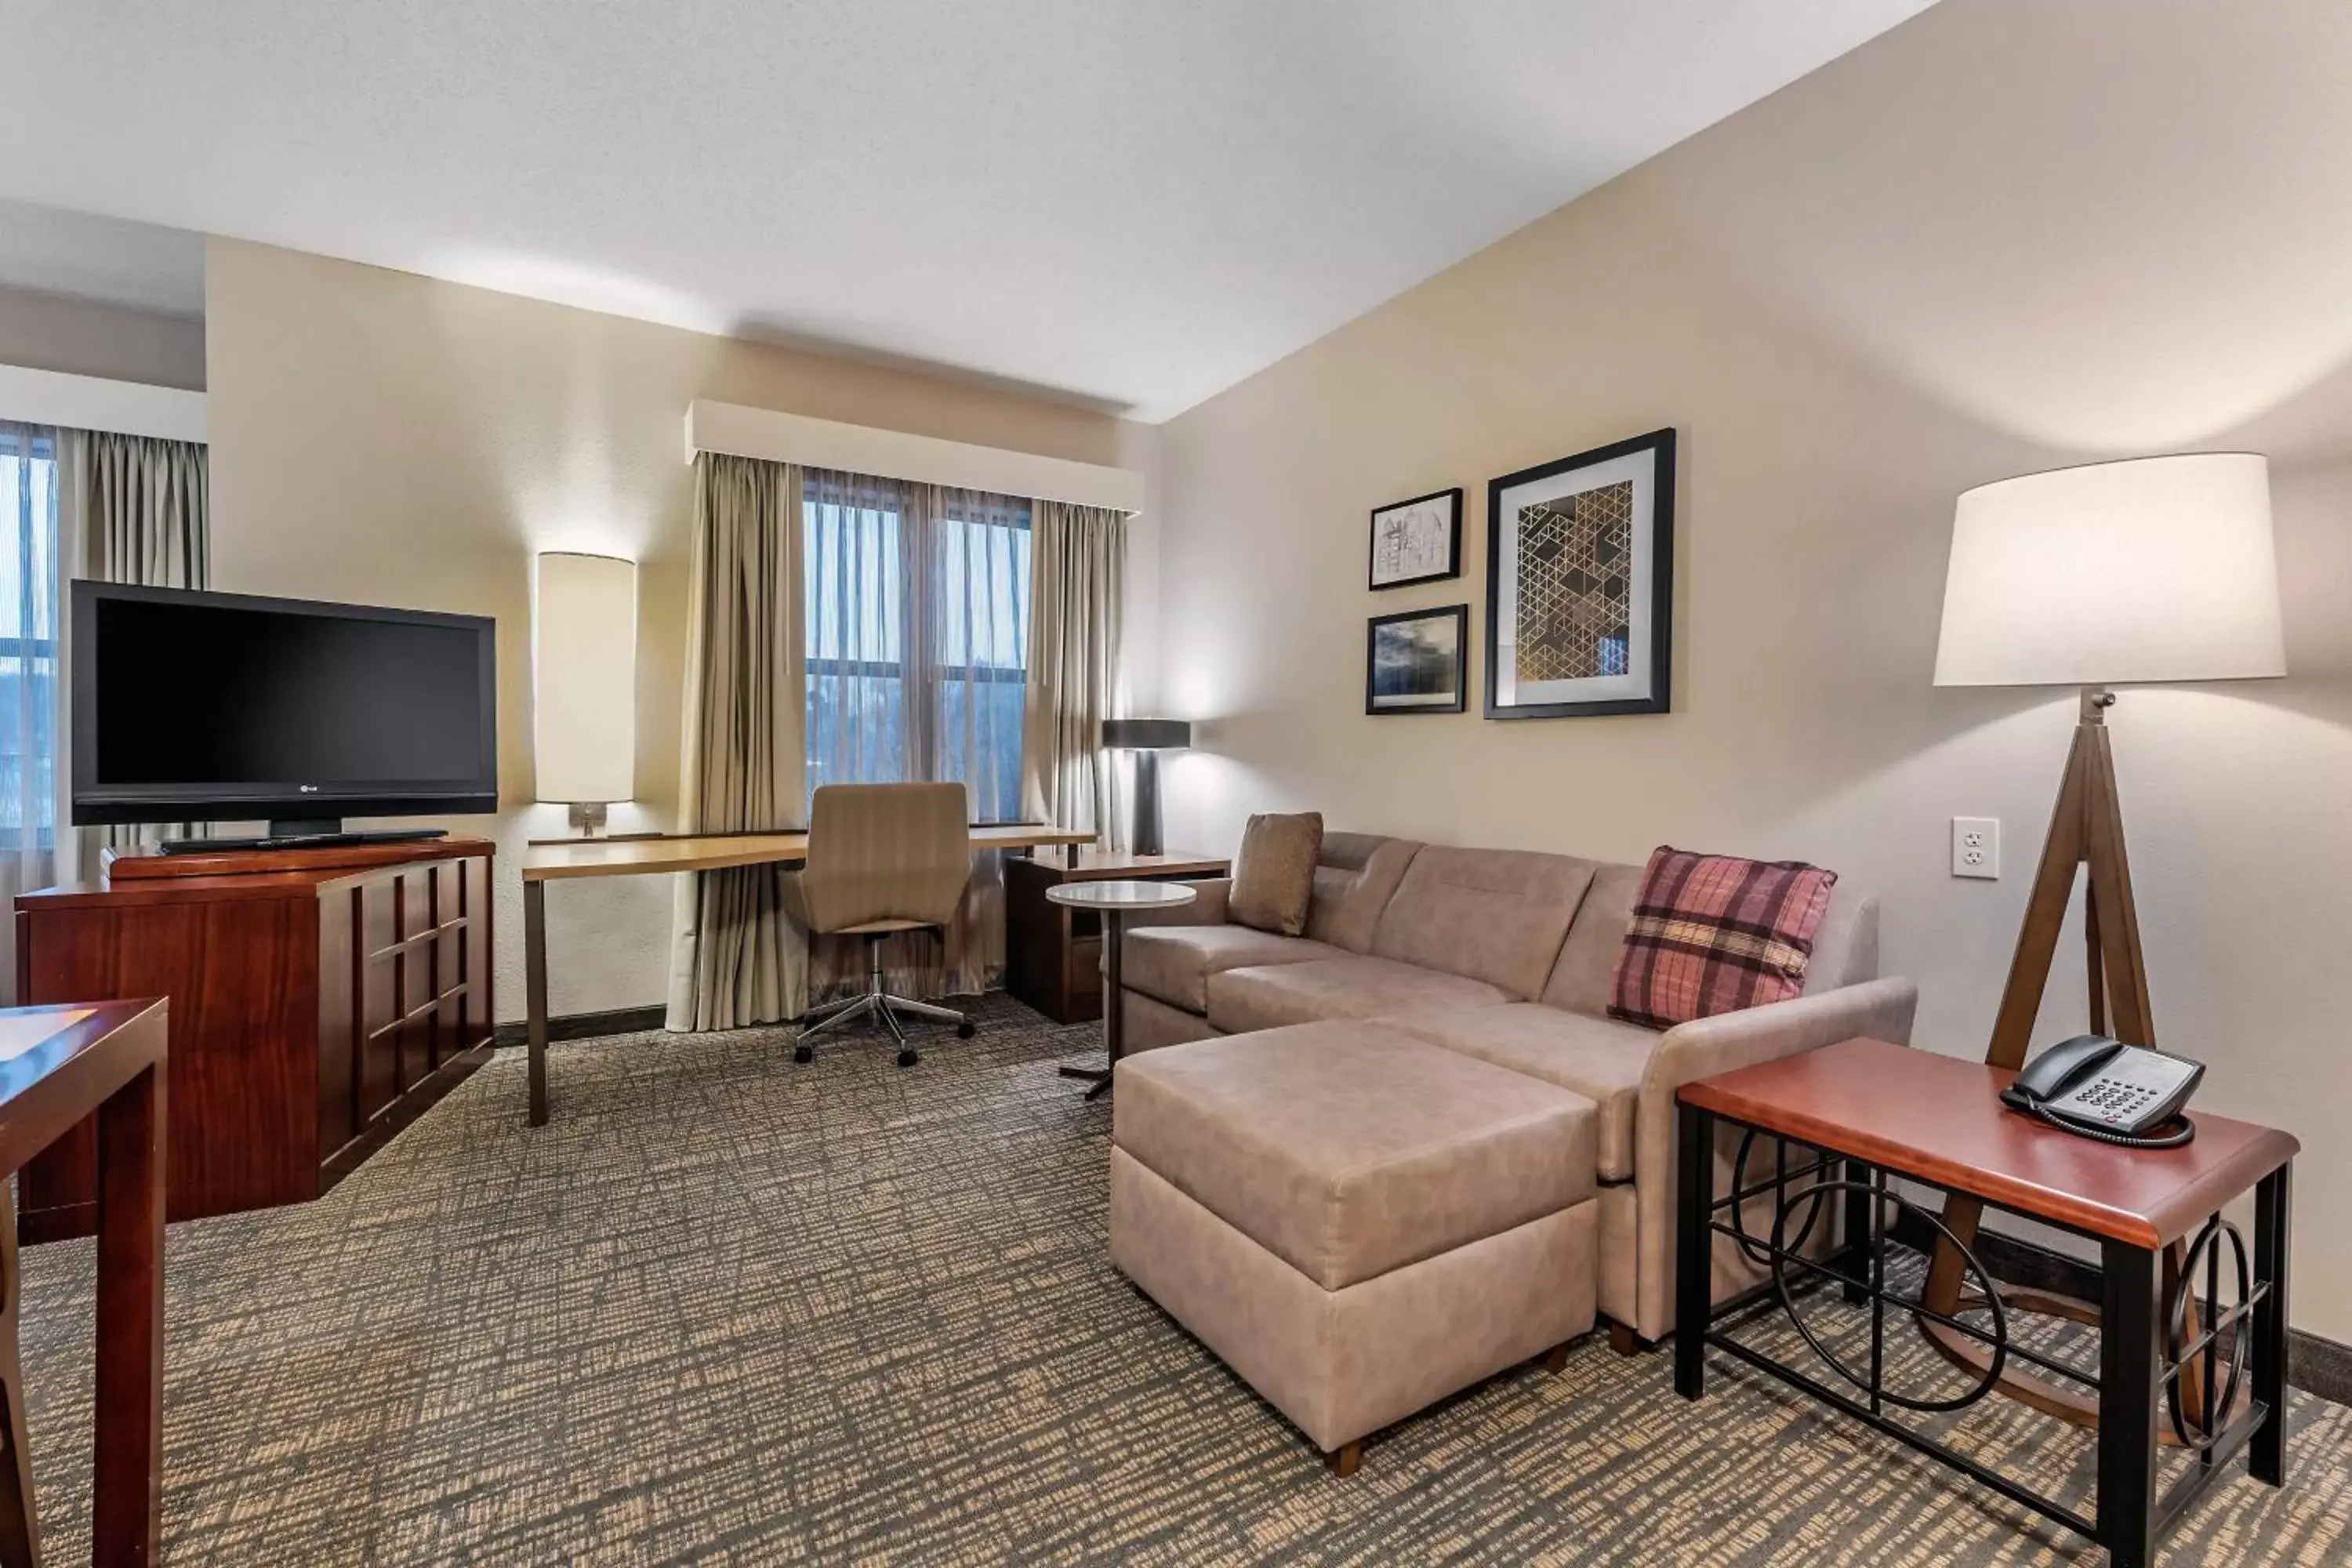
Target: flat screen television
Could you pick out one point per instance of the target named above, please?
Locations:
(189, 705)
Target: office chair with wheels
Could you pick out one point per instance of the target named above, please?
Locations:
(882, 858)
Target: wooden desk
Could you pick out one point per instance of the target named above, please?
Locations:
(546, 863)
(58, 1066)
(1881, 1111)
(1054, 954)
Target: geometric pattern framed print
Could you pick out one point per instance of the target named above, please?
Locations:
(1412, 661)
(1417, 541)
(1580, 584)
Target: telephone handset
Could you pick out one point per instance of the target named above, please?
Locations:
(2105, 1089)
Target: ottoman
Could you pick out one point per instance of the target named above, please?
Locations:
(1358, 1223)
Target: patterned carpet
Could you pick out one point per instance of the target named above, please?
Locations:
(726, 1310)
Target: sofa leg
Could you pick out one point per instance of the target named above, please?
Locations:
(1554, 1360)
(1625, 1341)
(1344, 1458)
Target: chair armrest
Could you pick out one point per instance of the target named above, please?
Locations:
(1208, 909)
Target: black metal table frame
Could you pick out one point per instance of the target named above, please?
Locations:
(2140, 1358)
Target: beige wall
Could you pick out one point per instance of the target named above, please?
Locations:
(2006, 236)
(88, 337)
(382, 437)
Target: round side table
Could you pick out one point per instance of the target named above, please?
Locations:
(1115, 901)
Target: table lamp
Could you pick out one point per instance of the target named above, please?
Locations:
(1147, 738)
(584, 684)
(2148, 570)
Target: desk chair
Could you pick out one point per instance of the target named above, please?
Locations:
(882, 858)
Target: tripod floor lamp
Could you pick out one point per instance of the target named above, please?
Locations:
(2156, 570)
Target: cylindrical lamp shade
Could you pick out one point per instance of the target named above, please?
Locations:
(1146, 734)
(2153, 569)
(584, 674)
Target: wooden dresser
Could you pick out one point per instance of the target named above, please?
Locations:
(1052, 954)
(321, 999)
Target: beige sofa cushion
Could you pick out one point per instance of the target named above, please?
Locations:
(1345, 1364)
(1496, 915)
(1587, 959)
(1151, 1023)
(1845, 948)
(1174, 962)
(1355, 877)
(1600, 1058)
(1273, 871)
(1349, 1150)
(1269, 997)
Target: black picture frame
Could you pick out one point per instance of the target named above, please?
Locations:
(1460, 615)
(1453, 497)
(1657, 650)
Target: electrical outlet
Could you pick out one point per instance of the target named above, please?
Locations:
(1976, 847)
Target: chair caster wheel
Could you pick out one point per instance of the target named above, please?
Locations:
(803, 1054)
(907, 1057)
(964, 1030)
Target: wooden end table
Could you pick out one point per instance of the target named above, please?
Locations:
(1875, 1112)
(1115, 901)
(59, 1067)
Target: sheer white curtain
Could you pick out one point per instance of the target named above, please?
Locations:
(31, 777)
(917, 625)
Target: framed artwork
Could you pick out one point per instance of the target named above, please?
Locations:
(1417, 541)
(1412, 661)
(1580, 584)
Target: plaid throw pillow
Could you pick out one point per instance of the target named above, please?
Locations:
(1714, 934)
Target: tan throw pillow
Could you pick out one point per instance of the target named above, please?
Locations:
(1274, 875)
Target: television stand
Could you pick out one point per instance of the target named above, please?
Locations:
(320, 835)
(321, 1000)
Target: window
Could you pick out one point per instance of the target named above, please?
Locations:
(28, 649)
(917, 616)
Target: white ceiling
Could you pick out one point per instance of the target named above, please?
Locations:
(1133, 201)
(62, 252)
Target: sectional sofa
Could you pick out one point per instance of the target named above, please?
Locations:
(1359, 1137)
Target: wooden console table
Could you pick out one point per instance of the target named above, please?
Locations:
(322, 999)
(1052, 954)
(1874, 1110)
(60, 1069)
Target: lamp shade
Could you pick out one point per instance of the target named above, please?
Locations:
(1146, 734)
(584, 676)
(2150, 569)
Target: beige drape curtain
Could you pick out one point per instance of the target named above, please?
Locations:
(1078, 572)
(130, 509)
(141, 508)
(736, 958)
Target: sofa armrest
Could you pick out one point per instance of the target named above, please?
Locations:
(1208, 909)
(1881, 1009)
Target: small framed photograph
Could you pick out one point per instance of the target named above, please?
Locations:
(1580, 584)
(1417, 541)
(1412, 661)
